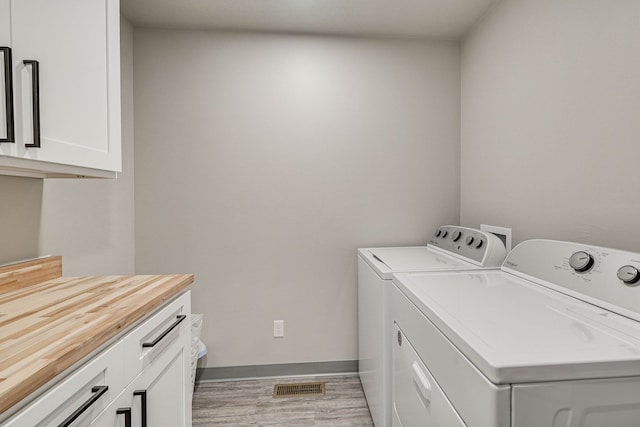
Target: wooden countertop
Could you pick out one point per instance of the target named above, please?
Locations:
(48, 323)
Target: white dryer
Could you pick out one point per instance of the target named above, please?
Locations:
(552, 339)
(451, 248)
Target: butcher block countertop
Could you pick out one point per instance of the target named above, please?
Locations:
(48, 323)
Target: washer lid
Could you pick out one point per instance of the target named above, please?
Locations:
(516, 331)
(386, 261)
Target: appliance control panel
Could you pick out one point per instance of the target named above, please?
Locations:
(481, 247)
(608, 278)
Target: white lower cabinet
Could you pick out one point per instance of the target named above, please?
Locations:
(159, 396)
(143, 379)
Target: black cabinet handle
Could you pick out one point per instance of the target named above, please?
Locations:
(35, 94)
(143, 399)
(127, 415)
(99, 391)
(8, 87)
(165, 333)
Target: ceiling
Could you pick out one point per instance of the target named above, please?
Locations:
(439, 19)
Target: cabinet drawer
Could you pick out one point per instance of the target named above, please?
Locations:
(85, 387)
(172, 322)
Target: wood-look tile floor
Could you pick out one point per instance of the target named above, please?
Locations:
(251, 403)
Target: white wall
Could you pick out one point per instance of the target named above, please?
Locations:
(90, 222)
(551, 121)
(264, 161)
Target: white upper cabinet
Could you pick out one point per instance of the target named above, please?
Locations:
(66, 87)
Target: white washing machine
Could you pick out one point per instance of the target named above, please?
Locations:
(552, 339)
(451, 248)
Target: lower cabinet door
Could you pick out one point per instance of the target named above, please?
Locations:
(165, 386)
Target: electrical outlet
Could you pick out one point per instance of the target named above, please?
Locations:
(503, 234)
(278, 328)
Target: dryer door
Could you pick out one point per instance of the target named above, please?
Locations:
(418, 401)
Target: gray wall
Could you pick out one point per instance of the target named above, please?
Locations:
(264, 161)
(89, 222)
(551, 121)
(19, 217)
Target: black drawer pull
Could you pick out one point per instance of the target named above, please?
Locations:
(143, 399)
(35, 95)
(8, 87)
(99, 391)
(165, 333)
(127, 415)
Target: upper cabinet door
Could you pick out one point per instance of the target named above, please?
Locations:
(6, 82)
(66, 57)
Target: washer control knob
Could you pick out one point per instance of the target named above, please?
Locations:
(581, 261)
(456, 236)
(628, 274)
(444, 233)
(479, 243)
(470, 240)
(438, 232)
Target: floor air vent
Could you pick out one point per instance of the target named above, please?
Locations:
(303, 389)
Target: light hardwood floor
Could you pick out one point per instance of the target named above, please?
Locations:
(250, 403)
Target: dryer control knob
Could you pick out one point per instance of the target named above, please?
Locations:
(581, 261)
(479, 243)
(438, 232)
(444, 233)
(470, 240)
(628, 274)
(456, 236)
